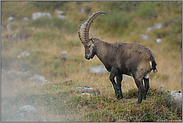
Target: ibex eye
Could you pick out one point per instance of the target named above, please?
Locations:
(89, 45)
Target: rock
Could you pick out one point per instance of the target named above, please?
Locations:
(154, 26)
(88, 91)
(177, 97)
(39, 78)
(59, 14)
(64, 52)
(82, 10)
(127, 77)
(144, 37)
(22, 111)
(25, 53)
(87, 94)
(11, 18)
(158, 40)
(176, 20)
(99, 69)
(37, 15)
(25, 19)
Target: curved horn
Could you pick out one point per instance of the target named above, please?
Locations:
(83, 31)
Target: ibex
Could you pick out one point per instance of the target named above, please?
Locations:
(119, 58)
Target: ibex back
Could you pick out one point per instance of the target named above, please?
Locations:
(119, 58)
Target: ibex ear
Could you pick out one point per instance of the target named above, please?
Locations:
(93, 39)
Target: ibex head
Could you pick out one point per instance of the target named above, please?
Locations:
(84, 35)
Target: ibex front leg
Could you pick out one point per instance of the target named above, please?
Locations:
(117, 87)
(119, 78)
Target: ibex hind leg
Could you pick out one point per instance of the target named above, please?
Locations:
(141, 89)
(146, 82)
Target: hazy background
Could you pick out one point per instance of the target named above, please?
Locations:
(43, 59)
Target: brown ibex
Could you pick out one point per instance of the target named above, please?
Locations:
(119, 58)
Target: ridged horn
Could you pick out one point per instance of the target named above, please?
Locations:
(83, 31)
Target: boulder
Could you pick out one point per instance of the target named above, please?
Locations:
(154, 26)
(99, 69)
(11, 18)
(59, 14)
(25, 19)
(88, 91)
(177, 97)
(25, 53)
(159, 40)
(144, 37)
(39, 78)
(37, 15)
(22, 111)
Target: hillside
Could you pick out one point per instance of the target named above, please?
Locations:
(43, 61)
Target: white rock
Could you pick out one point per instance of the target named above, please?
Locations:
(25, 109)
(154, 26)
(86, 89)
(177, 96)
(99, 69)
(159, 40)
(11, 18)
(39, 78)
(25, 53)
(59, 12)
(61, 16)
(25, 19)
(88, 94)
(144, 37)
(40, 14)
(82, 10)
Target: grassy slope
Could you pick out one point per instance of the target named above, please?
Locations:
(57, 101)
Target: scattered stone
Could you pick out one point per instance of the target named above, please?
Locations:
(99, 69)
(87, 94)
(88, 91)
(25, 19)
(158, 40)
(37, 15)
(154, 26)
(62, 53)
(22, 111)
(82, 10)
(59, 14)
(39, 78)
(177, 96)
(176, 20)
(144, 37)
(11, 18)
(8, 27)
(25, 53)
(127, 77)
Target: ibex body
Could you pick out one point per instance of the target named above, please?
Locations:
(120, 58)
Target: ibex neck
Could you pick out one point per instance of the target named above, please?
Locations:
(102, 49)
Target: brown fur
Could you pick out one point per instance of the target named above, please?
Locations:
(123, 58)
(119, 58)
